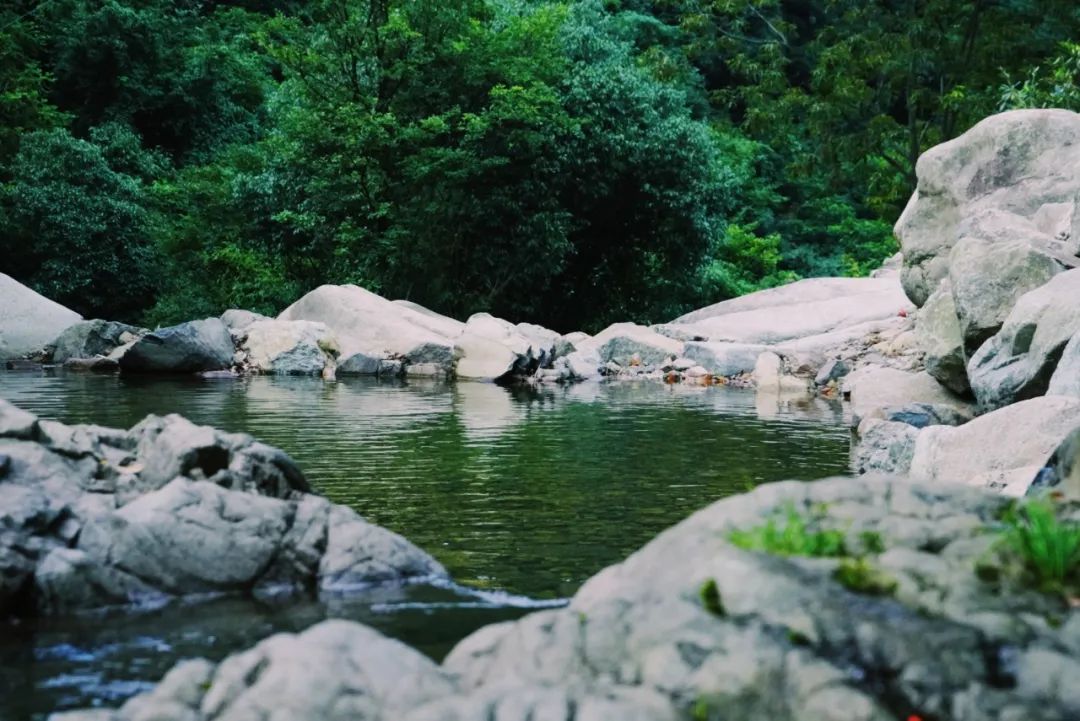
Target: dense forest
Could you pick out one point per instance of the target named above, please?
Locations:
(569, 163)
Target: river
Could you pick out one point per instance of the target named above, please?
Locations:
(521, 493)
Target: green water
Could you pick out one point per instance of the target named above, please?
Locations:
(522, 494)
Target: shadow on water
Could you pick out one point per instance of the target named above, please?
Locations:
(522, 491)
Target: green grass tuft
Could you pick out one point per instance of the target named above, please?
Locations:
(861, 576)
(1047, 546)
(790, 535)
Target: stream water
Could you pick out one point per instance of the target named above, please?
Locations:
(521, 493)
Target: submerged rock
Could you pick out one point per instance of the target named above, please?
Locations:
(199, 345)
(29, 321)
(95, 517)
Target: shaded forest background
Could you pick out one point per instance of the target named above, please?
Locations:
(568, 163)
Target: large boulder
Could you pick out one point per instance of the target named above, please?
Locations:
(1003, 450)
(199, 345)
(377, 336)
(897, 624)
(490, 348)
(987, 278)
(90, 338)
(288, 347)
(805, 308)
(1017, 363)
(1012, 177)
(29, 321)
(96, 517)
(939, 336)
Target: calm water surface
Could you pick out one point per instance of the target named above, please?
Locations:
(522, 494)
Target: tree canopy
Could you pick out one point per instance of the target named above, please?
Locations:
(570, 163)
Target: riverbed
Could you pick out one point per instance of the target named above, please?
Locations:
(522, 494)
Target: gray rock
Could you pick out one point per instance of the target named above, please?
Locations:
(987, 279)
(871, 388)
(237, 320)
(1003, 450)
(883, 446)
(1061, 471)
(833, 370)
(95, 517)
(1018, 362)
(812, 307)
(1011, 177)
(922, 415)
(940, 337)
(90, 338)
(691, 626)
(29, 321)
(200, 345)
(283, 347)
(371, 329)
(1066, 378)
(621, 341)
(724, 359)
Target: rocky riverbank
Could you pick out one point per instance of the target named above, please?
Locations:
(93, 517)
(880, 597)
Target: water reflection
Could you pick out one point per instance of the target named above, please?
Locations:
(527, 492)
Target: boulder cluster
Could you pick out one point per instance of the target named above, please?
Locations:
(93, 517)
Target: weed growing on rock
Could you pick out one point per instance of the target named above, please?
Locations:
(1047, 546)
(710, 598)
(861, 576)
(791, 535)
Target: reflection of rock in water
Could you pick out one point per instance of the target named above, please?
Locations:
(486, 410)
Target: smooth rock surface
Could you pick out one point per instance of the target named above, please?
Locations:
(873, 387)
(1002, 451)
(29, 321)
(805, 308)
(371, 330)
(199, 345)
(621, 341)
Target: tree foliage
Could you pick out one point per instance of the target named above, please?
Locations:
(568, 162)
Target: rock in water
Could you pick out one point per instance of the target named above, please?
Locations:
(1011, 177)
(373, 333)
(199, 345)
(96, 517)
(91, 338)
(29, 321)
(1018, 362)
(284, 347)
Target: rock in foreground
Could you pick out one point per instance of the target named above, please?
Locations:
(95, 517)
(895, 624)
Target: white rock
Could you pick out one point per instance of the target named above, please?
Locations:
(29, 321)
